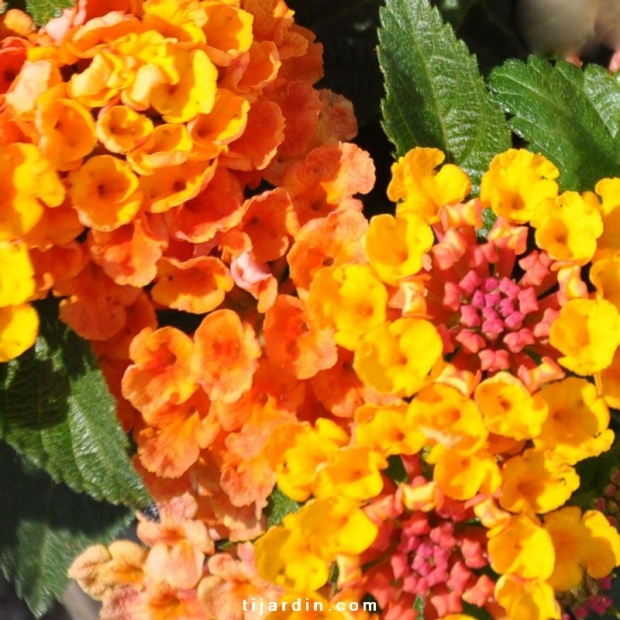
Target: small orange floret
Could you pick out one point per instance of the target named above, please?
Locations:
(26, 182)
(161, 372)
(105, 192)
(230, 582)
(228, 31)
(175, 434)
(140, 315)
(177, 523)
(35, 78)
(262, 136)
(292, 340)
(210, 133)
(66, 129)
(328, 179)
(269, 221)
(174, 185)
(255, 70)
(110, 25)
(323, 242)
(95, 307)
(225, 356)
(121, 129)
(19, 327)
(198, 285)
(301, 105)
(217, 208)
(99, 570)
(340, 390)
(167, 145)
(130, 253)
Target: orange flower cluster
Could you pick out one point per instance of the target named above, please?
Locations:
(167, 582)
(161, 155)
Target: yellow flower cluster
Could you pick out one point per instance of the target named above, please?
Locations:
(485, 368)
(490, 361)
(28, 184)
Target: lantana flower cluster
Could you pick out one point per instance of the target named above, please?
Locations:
(137, 138)
(423, 392)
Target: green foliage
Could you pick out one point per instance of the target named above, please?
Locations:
(55, 408)
(43, 10)
(435, 95)
(44, 526)
(488, 219)
(396, 470)
(569, 115)
(279, 506)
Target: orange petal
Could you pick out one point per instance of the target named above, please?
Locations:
(225, 356)
(161, 370)
(292, 340)
(198, 285)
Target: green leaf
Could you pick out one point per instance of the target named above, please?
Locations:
(44, 526)
(396, 470)
(279, 506)
(488, 220)
(56, 409)
(435, 96)
(569, 115)
(43, 10)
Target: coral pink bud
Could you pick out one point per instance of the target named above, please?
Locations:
(443, 536)
(470, 283)
(451, 296)
(459, 576)
(477, 300)
(470, 316)
(490, 285)
(400, 564)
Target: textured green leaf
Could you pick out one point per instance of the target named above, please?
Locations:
(435, 95)
(56, 409)
(43, 10)
(44, 526)
(279, 506)
(569, 115)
